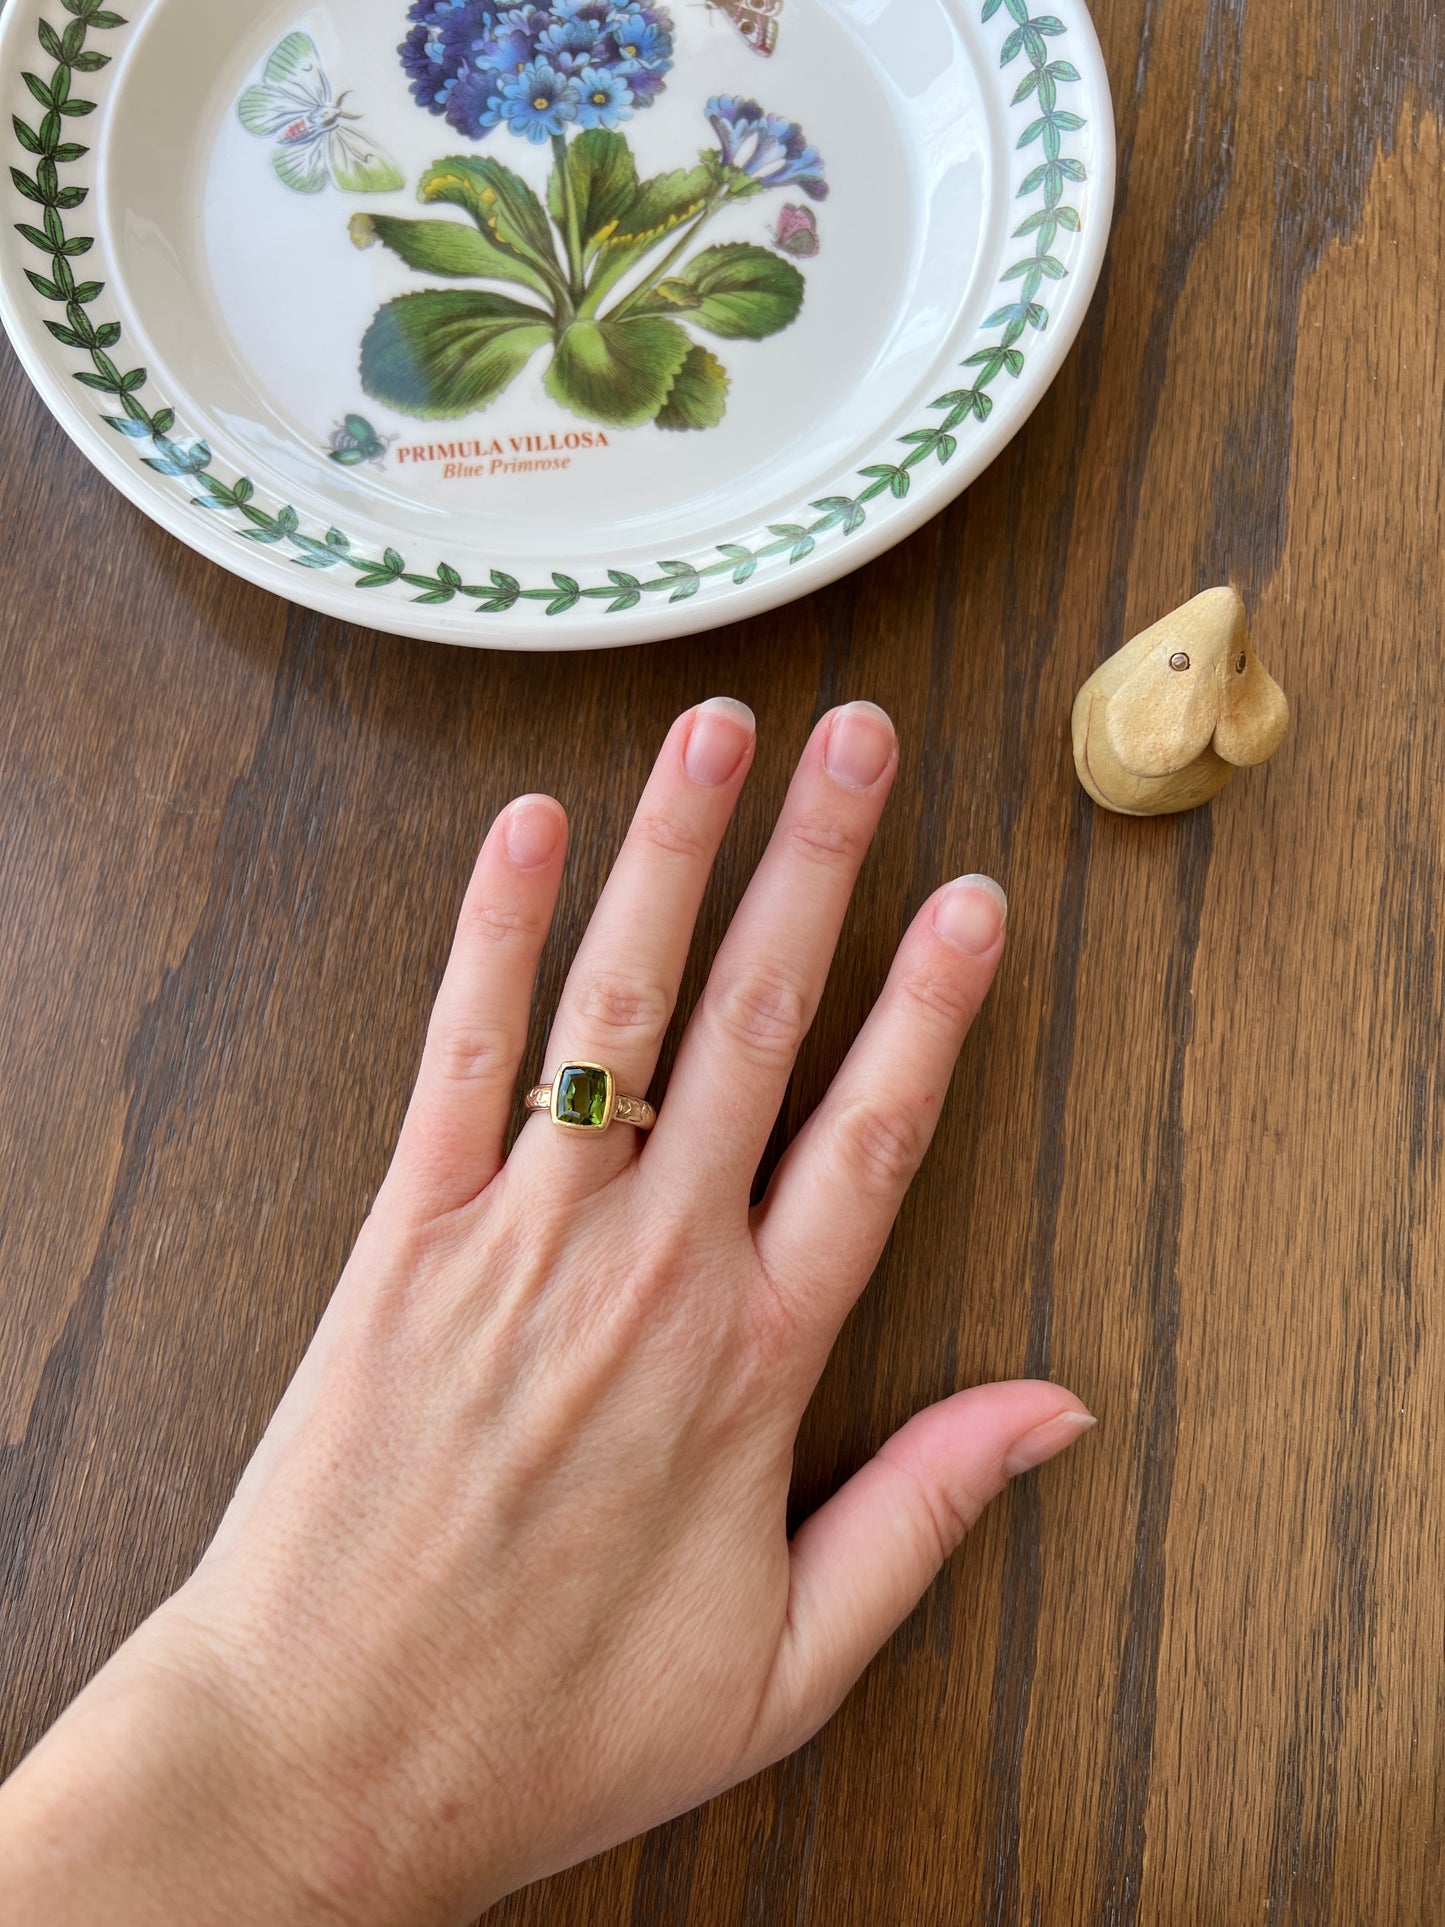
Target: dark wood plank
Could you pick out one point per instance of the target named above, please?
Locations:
(1192, 1674)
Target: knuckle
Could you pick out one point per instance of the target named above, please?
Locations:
(764, 1016)
(936, 994)
(470, 1056)
(819, 837)
(490, 921)
(946, 1510)
(618, 1007)
(673, 836)
(951, 1516)
(882, 1147)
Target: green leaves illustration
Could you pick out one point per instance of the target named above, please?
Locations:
(604, 187)
(699, 396)
(505, 210)
(619, 372)
(738, 291)
(447, 351)
(439, 354)
(445, 247)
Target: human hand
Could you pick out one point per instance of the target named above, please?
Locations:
(508, 1579)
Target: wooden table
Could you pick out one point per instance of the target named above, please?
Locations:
(1193, 1673)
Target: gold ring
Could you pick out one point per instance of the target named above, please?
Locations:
(584, 1097)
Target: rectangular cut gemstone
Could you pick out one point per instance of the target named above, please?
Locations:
(582, 1097)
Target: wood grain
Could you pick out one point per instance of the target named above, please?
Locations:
(1191, 1167)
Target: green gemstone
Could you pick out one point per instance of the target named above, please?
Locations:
(582, 1097)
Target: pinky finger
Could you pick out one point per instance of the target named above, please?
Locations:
(455, 1131)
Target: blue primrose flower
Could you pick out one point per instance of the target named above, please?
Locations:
(532, 21)
(464, 34)
(421, 59)
(509, 51)
(646, 84)
(769, 149)
(643, 38)
(570, 37)
(538, 102)
(603, 98)
(536, 68)
(475, 103)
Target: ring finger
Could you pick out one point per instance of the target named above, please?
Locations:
(842, 1182)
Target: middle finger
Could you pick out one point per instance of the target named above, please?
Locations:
(623, 985)
(768, 978)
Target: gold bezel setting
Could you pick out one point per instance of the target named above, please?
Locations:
(559, 1083)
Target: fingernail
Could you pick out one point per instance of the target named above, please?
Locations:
(1045, 1442)
(722, 734)
(861, 742)
(533, 832)
(971, 915)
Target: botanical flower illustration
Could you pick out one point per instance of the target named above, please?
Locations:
(765, 146)
(603, 274)
(481, 65)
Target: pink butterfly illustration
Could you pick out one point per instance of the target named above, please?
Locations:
(757, 21)
(797, 231)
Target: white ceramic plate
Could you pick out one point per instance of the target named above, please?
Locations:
(291, 282)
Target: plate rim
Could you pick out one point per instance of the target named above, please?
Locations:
(681, 608)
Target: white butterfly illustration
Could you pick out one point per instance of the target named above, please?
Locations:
(314, 142)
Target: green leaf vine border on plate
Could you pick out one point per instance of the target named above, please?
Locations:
(678, 580)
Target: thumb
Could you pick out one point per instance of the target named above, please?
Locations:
(862, 1562)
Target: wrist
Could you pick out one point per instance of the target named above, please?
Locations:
(167, 1792)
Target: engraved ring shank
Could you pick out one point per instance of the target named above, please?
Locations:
(584, 1097)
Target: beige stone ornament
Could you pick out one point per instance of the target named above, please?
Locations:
(1164, 724)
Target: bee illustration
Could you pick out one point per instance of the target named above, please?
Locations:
(797, 231)
(758, 21)
(356, 441)
(295, 104)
